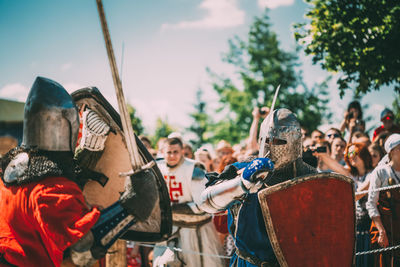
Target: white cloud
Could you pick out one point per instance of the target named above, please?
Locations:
(14, 91)
(66, 66)
(274, 3)
(220, 14)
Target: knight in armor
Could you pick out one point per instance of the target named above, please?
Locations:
(193, 230)
(384, 206)
(280, 151)
(43, 212)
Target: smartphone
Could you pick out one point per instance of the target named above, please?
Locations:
(321, 149)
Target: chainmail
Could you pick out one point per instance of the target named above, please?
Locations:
(41, 164)
(282, 155)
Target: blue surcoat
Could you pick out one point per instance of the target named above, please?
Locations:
(250, 233)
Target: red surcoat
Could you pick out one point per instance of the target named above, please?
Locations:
(39, 220)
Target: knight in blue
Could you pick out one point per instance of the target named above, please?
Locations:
(236, 187)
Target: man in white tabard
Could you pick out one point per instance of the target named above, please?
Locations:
(193, 230)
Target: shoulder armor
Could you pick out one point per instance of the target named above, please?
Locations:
(198, 173)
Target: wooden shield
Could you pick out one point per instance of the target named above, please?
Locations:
(115, 160)
(310, 220)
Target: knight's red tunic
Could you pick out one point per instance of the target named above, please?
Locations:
(39, 220)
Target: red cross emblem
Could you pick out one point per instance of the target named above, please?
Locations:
(175, 188)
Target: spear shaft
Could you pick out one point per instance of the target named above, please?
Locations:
(130, 139)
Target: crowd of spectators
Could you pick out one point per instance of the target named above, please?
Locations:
(347, 150)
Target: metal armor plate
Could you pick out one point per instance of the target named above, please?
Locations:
(310, 220)
(114, 160)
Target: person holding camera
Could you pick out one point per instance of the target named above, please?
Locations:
(388, 125)
(359, 167)
(353, 118)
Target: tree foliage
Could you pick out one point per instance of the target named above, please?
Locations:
(163, 129)
(261, 66)
(360, 39)
(396, 109)
(136, 121)
(201, 124)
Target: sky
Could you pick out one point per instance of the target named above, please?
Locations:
(162, 49)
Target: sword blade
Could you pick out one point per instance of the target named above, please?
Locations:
(130, 139)
(264, 123)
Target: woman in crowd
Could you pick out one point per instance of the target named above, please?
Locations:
(203, 156)
(353, 114)
(359, 166)
(376, 152)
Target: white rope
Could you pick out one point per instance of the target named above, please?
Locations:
(186, 251)
(227, 257)
(377, 250)
(378, 189)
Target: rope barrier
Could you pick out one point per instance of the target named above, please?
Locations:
(186, 251)
(378, 189)
(227, 257)
(377, 250)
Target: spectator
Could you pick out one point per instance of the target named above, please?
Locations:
(307, 143)
(225, 161)
(384, 206)
(381, 138)
(258, 113)
(193, 230)
(160, 147)
(359, 162)
(376, 152)
(203, 156)
(331, 134)
(304, 133)
(387, 119)
(146, 141)
(321, 167)
(239, 152)
(317, 136)
(223, 149)
(188, 151)
(353, 113)
(307, 155)
(360, 137)
(337, 150)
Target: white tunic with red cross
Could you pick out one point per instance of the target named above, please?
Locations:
(179, 181)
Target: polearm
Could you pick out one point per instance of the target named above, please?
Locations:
(130, 139)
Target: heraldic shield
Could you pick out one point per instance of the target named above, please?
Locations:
(105, 155)
(310, 220)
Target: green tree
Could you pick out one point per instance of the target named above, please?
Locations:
(359, 39)
(201, 122)
(261, 66)
(163, 129)
(396, 108)
(136, 121)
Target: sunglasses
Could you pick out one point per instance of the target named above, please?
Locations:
(334, 135)
(352, 154)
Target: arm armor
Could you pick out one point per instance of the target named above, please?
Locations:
(217, 197)
(114, 221)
